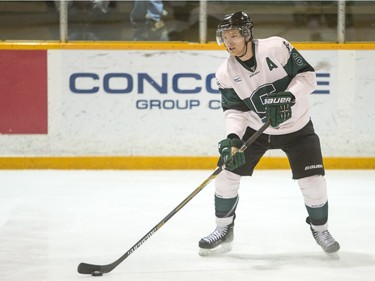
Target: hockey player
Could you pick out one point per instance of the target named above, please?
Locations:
(266, 79)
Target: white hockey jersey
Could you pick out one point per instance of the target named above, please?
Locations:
(278, 68)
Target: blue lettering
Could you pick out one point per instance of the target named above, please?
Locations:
(124, 83)
(141, 104)
(209, 88)
(73, 83)
(167, 104)
(155, 103)
(162, 89)
(127, 78)
(178, 90)
(214, 104)
(194, 103)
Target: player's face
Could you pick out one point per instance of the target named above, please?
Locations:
(234, 42)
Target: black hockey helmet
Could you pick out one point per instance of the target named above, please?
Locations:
(237, 20)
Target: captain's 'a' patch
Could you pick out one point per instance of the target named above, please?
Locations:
(270, 63)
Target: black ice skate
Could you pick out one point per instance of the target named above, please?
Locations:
(324, 240)
(218, 242)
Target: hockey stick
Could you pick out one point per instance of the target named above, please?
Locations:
(97, 270)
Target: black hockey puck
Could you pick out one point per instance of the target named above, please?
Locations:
(97, 273)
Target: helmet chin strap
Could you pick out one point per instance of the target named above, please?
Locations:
(244, 52)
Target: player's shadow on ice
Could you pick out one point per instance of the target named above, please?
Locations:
(274, 261)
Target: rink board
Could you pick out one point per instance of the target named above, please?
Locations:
(156, 106)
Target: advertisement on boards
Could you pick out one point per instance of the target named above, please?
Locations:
(148, 100)
(161, 102)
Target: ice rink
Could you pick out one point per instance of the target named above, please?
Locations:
(52, 220)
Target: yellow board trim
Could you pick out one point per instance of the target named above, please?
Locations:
(163, 163)
(125, 45)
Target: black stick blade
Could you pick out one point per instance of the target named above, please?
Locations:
(86, 268)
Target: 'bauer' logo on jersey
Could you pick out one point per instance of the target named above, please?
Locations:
(318, 166)
(255, 73)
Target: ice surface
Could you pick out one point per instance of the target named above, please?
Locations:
(52, 220)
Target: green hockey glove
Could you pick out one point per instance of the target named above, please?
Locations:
(279, 107)
(230, 153)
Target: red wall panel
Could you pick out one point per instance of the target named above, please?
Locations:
(23, 92)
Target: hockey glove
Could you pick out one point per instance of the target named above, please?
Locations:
(279, 107)
(230, 153)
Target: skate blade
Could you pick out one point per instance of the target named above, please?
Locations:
(334, 252)
(333, 256)
(221, 249)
